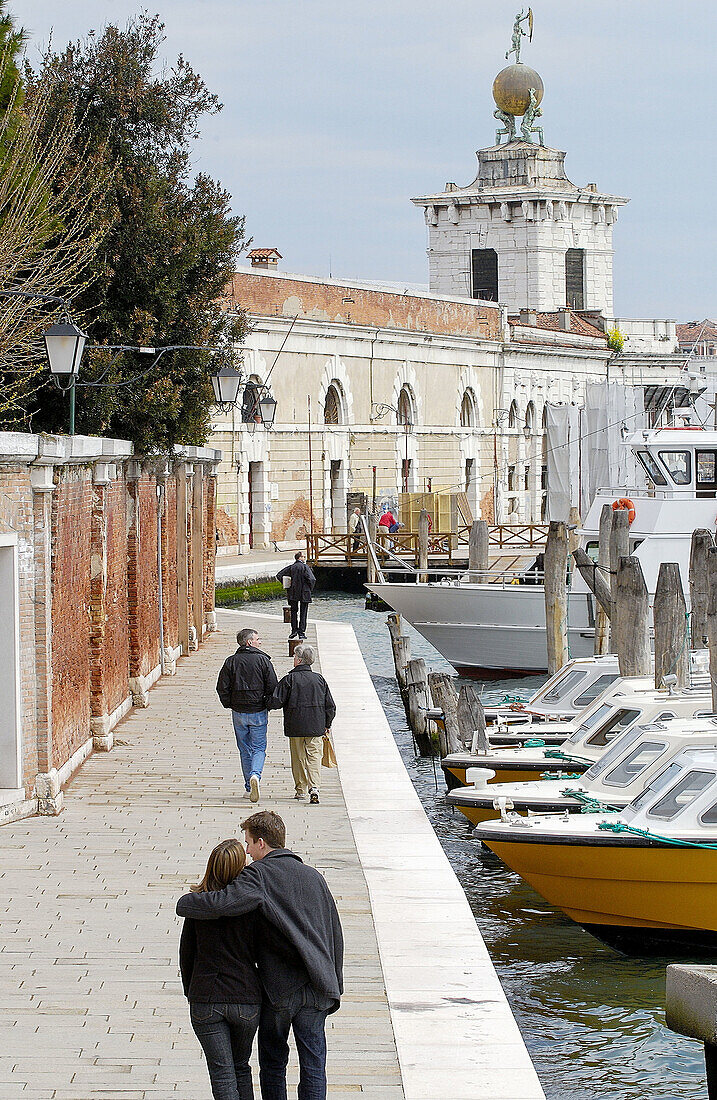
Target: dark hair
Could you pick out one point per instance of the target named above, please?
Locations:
(226, 861)
(267, 826)
(298, 554)
(244, 635)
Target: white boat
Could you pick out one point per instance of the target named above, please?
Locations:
(573, 687)
(496, 628)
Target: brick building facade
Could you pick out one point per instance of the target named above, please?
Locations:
(97, 547)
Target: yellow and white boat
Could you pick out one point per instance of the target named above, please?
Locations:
(644, 880)
(628, 703)
(622, 771)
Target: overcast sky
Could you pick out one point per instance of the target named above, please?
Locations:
(338, 112)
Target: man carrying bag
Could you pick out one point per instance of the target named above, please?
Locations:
(301, 585)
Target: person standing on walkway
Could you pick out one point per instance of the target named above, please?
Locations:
(299, 952)
(309, 710)
(299, 593)
(217, 962)
(245, 684)
(354, 520)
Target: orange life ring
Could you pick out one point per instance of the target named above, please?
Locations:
(625, 502)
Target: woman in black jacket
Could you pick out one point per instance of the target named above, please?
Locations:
(218, 966)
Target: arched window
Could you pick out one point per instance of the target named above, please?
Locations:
(332, 406)
(468, 409)
(406, 414)
(530, 417)
(513, 415)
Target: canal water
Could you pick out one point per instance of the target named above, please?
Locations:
(592, 1020)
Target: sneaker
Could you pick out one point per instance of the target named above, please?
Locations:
(254, 788)
(302, 637)
(246, 794)
(299, 796)
(294, 637)
(314, 796)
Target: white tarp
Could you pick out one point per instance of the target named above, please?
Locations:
(562, 443)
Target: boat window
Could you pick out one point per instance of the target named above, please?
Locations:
(683, 792)
(709, 817)
(635, 762)
(614, 752)
(656, 785)
(678, 466)
(592, 549)
(563, 686)
(652, 470)
(596, 688)
(618, 723)
(588, 722)
(665, 714)
(705, 463)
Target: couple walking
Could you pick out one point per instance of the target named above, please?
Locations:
(261, 949)
(248, 686)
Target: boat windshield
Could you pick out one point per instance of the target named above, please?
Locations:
(593, 690)
(681, 794)
(588, 722)
(615, 725)
(560, 689)
(636, 762)
(614, 753)
(679, 466)
(652, 470)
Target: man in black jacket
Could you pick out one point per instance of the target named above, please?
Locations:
(299, 952)
(309, 710)
(245, 684)
(299, 593)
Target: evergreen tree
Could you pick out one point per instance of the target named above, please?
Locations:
(171, 247)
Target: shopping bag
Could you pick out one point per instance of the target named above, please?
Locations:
(286, 581)
(328, 759)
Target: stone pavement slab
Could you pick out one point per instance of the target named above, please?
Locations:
(92, 1006)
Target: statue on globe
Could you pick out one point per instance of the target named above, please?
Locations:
(519, 33)
(508, 124)
(533, 111)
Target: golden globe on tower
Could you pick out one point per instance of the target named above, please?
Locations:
(511, 89)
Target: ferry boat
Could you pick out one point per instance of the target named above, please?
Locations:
(643, 881)
(613, 713)
(496, 628)
(622, 771)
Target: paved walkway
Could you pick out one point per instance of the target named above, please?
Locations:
(91, 1003)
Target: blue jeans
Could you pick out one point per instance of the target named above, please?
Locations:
(305, 1013)
(250, 732)
(226, 1033)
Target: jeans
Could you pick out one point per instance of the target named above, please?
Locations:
(305, 1012)
(299, 611)
(250, 732)
(226, 1033)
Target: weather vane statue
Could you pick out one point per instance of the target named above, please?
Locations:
(519, 33)
(518, 90)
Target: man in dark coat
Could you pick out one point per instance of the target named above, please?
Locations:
(299, 593)
(245, 684)
(309, 710)
(299, 947)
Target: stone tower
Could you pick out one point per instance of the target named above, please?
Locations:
(522, 234)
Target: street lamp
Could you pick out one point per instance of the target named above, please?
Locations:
(64, 344)
(225, 383)
(267, 409)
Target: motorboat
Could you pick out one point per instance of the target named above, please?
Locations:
(622, 771)
(495, 627)
(643, 880)
(572, 688)
(616, 711)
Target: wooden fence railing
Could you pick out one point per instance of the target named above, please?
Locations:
(334, 549)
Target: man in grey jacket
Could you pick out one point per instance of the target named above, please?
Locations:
(299, 949)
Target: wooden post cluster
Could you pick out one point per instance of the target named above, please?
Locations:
(444, 696)
(412, 680)
(631, 619)
(699, 586)
(669, 611)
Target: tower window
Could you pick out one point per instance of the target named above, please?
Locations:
(485, 274)
(575, 278)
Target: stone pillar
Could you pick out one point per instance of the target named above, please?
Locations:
(102, 737)
(198, 552)
(140, 695)
(210, 548)
(181, 536)
(47, 786)
(164, 579)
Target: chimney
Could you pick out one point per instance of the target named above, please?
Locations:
(564, 320)
(529, 317)
(264, 259)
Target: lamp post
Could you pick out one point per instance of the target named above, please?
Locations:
(64, 345)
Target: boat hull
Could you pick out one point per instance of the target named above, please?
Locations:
(637, 897)
(488, 631)
(510, 773)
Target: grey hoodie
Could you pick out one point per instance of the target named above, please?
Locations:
(295, 901)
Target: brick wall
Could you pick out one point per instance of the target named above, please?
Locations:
(142, 596)
(274, 295)
(115, 670)
(71, 633)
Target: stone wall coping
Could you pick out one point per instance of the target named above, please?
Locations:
(198, 454)
(59, 450)
(691, 1001)
(18, 447)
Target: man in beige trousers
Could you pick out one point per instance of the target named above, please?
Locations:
(309, 710)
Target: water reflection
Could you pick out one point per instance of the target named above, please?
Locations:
(592, 1020)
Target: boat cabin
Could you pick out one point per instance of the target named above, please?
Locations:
(682, 798)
